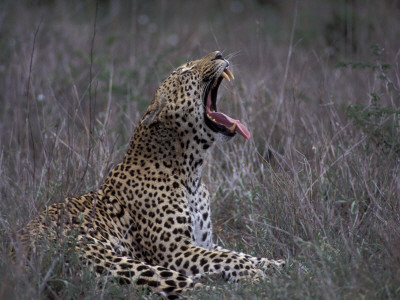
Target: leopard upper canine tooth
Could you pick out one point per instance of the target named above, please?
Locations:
(229, 73)
(225, 76)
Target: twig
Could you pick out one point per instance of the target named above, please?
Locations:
(341, 157)
(47, 276)
(285, 75)
(28, 85)
(58, 139)
(90, 99)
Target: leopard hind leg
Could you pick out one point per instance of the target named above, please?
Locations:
(163, 281)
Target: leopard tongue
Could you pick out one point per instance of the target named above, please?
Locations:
(232, 124)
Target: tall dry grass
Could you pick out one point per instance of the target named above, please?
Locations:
(318, 183)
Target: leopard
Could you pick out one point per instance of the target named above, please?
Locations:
(149, 223)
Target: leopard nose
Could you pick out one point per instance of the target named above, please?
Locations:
(218, 56)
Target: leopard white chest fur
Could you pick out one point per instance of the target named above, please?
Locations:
(199, 208)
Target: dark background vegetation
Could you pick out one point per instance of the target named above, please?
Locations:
(317, 83)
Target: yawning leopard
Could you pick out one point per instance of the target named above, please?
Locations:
(149, 224)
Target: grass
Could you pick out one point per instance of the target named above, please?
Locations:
(316, 84)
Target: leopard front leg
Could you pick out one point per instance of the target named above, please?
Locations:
(194, 261)
(199, 207)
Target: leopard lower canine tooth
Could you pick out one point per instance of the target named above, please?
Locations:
(232, 128)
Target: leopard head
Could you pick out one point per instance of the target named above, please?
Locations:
(186, 102)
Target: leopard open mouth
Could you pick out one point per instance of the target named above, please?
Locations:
(217, 121)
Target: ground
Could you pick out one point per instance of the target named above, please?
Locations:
(315, 84)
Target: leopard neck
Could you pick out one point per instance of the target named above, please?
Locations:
(169, 152)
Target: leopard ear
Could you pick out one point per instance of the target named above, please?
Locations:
(154, 110)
